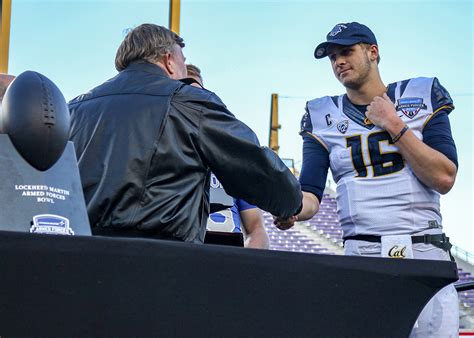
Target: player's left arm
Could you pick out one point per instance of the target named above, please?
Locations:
(253, 228)
(437, 168)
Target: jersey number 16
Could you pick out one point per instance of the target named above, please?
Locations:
(383, 163)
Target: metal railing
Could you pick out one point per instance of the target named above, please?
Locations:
(462, 254)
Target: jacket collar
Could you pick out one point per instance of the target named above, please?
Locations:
(147, 67)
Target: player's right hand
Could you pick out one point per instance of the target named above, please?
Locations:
(382, 112)
(284, 223)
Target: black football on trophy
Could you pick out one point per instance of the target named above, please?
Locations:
(36, 118)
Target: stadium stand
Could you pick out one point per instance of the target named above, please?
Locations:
(323, 235)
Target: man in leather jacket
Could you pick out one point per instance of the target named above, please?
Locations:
(146, 144)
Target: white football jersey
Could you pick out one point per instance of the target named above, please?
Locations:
(377, 192)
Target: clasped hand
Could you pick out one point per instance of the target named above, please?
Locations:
(284, 223)
(381, 112)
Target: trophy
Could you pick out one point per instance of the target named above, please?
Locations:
(41, 187)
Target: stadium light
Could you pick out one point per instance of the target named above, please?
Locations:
(175, 8)
(274, 126)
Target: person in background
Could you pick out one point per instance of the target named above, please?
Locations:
(194, 77)
(242, 217)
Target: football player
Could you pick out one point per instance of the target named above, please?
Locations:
(241, 217)
(391, 153)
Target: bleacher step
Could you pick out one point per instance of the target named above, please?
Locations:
(317, 238)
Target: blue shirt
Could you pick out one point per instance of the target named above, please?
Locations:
(239, 205)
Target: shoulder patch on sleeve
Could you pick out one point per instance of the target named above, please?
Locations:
(440, 98)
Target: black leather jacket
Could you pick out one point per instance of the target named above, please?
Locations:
(146, 144)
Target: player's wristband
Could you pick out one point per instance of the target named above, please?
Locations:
(400, 134)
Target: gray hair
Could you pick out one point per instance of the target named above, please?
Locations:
(148, 42)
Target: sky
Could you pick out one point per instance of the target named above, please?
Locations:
(249, 49)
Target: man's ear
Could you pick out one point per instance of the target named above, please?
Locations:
(374, 52)
(168, 63)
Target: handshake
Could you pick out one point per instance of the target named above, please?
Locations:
(309, 208)
(285, 223)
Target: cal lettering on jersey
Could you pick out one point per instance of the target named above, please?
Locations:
(397, 252)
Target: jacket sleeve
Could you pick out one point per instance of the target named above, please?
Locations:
(245, 169)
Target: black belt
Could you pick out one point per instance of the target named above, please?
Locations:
(440, 240)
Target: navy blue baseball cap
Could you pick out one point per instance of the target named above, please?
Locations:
(345, 34)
